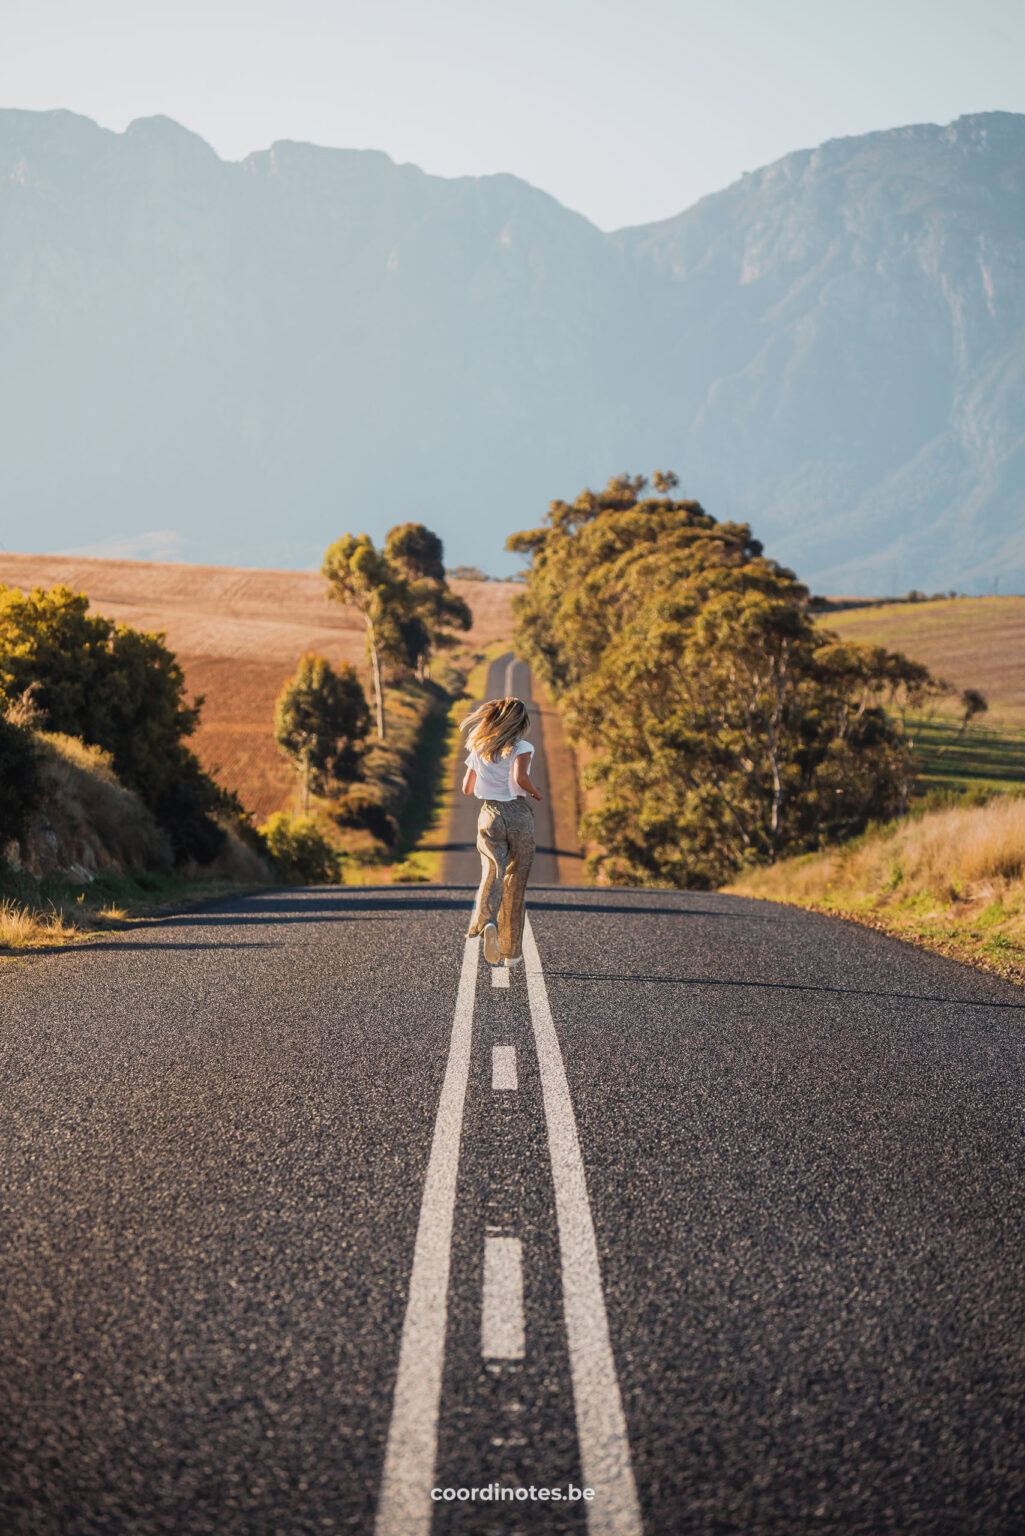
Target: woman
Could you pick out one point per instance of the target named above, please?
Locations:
(497, 772)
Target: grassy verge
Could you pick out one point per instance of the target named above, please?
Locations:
(950, 880)
(37, 914)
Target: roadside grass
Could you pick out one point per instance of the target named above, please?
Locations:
(36, 914)
(23, 927)
(91, 823)
(952, 880)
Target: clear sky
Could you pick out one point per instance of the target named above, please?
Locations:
(627, 110)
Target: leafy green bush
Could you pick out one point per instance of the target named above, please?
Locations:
(19, 780)
(320, 718)
(300, 850)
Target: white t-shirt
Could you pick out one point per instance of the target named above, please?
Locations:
(495, 780)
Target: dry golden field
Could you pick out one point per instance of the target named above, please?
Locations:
(972, 642)
(969, 642)
(238, 635)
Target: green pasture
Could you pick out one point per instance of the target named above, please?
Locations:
(983, 758)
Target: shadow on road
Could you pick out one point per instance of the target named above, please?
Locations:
(348, 910)
(774, 986)
(354, 904)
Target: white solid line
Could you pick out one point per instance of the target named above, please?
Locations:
(502, 1332)
(509, 677)
(404, 1507)
(503, 1067)
(499, 976)
(601, 1429)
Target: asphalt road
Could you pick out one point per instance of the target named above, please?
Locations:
(266, 1218)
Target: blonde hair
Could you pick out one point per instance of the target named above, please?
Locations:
(494, 728)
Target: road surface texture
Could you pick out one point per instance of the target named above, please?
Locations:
(714, 1209)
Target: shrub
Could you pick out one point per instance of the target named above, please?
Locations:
(301, 852)
(320, 718)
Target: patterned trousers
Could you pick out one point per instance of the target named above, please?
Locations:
(505, 841)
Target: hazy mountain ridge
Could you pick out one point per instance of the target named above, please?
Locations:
(868, 298)
(259, 354)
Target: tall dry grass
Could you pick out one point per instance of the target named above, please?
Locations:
(952, 879)
(959, 855)
(24, 928)
(97, 822)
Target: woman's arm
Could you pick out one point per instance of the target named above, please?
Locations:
(469, 781)
(521, 777)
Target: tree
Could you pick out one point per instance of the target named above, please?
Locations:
(429, 611)
(320, 717)
(401, 595)
(416, 552)
(117, 688)
(362, 577)
(730, 728)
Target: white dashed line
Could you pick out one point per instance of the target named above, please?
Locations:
(404, 1507)
(503, 1067)
(502, 1332)
(601, 1429)
(499, 976)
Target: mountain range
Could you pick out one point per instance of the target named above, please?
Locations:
(235, 362)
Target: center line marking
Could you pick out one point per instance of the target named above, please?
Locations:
(503, 1067)
(502, 1332)
(601, 1428)
(404, 1507)
(499, 976)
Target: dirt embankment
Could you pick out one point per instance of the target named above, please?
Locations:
(238, 635)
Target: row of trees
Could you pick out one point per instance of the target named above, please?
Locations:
(401, 593)
(728, 727)
(402, 596)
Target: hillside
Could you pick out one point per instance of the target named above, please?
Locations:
(218, 361)
(238, 634)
